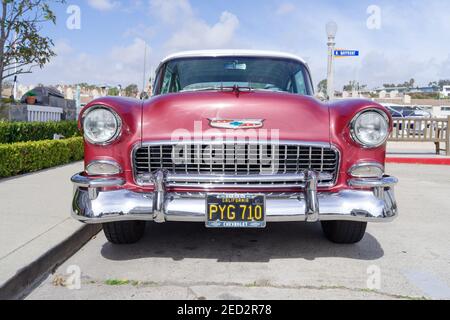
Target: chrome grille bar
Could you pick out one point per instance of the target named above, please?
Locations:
(241, 178)
(236, 159)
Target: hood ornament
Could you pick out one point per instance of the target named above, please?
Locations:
(236, 123)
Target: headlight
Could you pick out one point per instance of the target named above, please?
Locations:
(370, 128)
(101, 125)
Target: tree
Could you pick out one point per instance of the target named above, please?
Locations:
(443, 83)
(354, 85)
(322, 87)
(407, 84)
(21, 45)
(132, 90)
(410, 83)
(114, 91)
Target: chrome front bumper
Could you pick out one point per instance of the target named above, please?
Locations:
(93, 205)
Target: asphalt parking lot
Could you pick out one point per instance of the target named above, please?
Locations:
(406, 259)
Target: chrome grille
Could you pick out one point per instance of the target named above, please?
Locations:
(234, 159)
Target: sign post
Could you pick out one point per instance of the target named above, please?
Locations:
(331, 29)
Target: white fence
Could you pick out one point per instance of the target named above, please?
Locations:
(43, 114)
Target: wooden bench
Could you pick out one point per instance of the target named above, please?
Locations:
(434, 130)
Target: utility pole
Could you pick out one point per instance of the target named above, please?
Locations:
(331, 29)
(15, 72)
(145, 67)
(78, 100)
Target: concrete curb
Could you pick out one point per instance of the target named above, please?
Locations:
(429, 161)
(26, 278)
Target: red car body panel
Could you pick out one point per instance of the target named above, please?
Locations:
(130, 111)
(341, 114)
(296, 117)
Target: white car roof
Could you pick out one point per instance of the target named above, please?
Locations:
(232, 52)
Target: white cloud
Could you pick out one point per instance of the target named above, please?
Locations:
(123, 65)
(130, 56)
(188, 31)
(285, 8)
(140, 31)
(400, 50)
(63, 47)
(444, 68)
(171, 11)
(196, 34)
(103, 5)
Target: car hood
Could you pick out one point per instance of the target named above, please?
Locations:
(286, 116)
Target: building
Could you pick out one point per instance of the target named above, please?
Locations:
(388, 90)
(446, 91)
(430, 89)
(405, 90)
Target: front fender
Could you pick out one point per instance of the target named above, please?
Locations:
(130, 111)
(341, 114)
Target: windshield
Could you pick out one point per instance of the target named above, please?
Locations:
(217, 73)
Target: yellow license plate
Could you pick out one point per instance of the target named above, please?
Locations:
(235, 211)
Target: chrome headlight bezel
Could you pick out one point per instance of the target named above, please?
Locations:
(118, 124)
(357, 170)
(355, 136)
(96, 168)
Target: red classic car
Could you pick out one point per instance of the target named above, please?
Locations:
(234, 139)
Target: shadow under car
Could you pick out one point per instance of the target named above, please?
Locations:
(178, 240)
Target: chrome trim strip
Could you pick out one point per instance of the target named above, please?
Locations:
(235, 186)
(263, 142)
(242, 178)
(87, 182)
(111, 162)
(373, 183)
(365, 164)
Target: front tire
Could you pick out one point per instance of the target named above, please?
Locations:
(344, 232)
(124, 232)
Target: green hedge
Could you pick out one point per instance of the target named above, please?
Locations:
(24, 157)
(11, 132)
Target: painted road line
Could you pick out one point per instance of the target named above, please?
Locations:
(430, 161)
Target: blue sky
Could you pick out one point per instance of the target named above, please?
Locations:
(412, 40)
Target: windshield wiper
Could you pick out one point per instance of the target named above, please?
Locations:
(201, 89)
(234, 88)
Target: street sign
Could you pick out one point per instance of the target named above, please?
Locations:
(346, 53)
